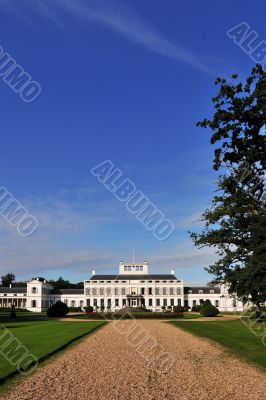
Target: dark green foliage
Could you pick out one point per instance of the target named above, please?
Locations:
(196, 308)
(88, 309)
(8, 279)
(178, 309)
(208, 310)
(235, 224)
(74, 309)
(58, 310)
(13, 313)
(61, 283)
(136, 315)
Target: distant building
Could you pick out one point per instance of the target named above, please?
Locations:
(133, 286)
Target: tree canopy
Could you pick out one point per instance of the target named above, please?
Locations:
(235, 222)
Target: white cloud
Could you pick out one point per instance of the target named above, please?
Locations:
(113, 15)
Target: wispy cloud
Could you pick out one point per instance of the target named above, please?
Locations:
(113, 15)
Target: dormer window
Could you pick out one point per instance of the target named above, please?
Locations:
(201, 291)
(211, 291)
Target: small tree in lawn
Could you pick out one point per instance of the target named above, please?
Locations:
(102, 308)
(13, 312)
(58, 310)
(163, 308)
(169, 308)
(208, 310)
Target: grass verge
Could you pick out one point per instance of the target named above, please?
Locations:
(234, 335)
(42, 339)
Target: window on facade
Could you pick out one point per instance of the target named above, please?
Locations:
(95, 302)
(73, 303)
(178, 292)
(179, 302)
(171, 291)
(143, 291)
(216, 303)
(81, 303)
(157, 291)
(234, 302)
(186, 303)
(102, 303)
(125, 268)
(172, 302)
(201, 291)
(101, 291)
(88, 302)
(137, 267)
(158, 302)
(33, 303)
(150, 302)
(165, 302)
(150, 291)
(124, 281)
(123, 291)
(141, 268)
(211, 291)
(94, 292)
(108, 292)
(194, 302)
(117, 302)
(88, 292)
(116, 291)
(101, 281)
(34, 290)
(201, 301)
(164, 291)
(124, 302)
(109, 302)
(129, 268)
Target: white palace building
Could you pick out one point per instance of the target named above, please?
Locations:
(132, 287)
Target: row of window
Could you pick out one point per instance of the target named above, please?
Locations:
(93, 281)
(117, 303)
(200, 291)
(136, 268)
(125, 291)
(12, 294)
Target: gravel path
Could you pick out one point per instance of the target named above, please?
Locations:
(164, 363)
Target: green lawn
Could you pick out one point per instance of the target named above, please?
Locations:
(234, 335)
(191, 315)
(41, 338)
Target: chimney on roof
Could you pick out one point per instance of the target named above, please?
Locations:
(172, 271)
(93, 272)
(10, 285)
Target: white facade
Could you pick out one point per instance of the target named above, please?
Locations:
(133, 286)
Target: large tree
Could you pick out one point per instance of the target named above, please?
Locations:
(8, 279)
(235, 222)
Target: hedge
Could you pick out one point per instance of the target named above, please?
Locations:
(134, 315)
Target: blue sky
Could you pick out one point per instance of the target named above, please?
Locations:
(125, 81)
